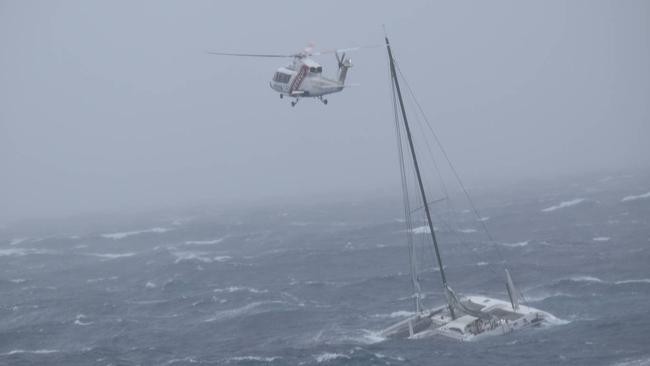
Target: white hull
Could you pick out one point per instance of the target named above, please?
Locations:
(438, 321)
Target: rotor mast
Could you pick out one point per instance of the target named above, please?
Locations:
(393, 74)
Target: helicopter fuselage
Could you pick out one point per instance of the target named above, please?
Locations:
(303, 78)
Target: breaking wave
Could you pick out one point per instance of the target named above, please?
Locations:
(204, 242)
(36, 352)
(198, 256)
(396, 314)
(113, 255)
(241, 288)
(601, 238)
(638, 362)
(564, 204)
(253, 359)
(329, 356)
(19, 252)
(515, 245)
(598, 280)
(244, 310)
(79, 320)
(637, 197)
(125, 234)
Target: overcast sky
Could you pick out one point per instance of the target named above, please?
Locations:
(109, 105)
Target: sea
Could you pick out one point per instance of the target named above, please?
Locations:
(314, 283)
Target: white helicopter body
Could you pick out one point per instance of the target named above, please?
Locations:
(303, 77)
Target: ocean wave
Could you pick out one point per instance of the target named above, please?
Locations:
(204, 242)
(636, 362)
(193, 256)
(467, 231)
(564, 204)
(240, 288)
(637, 197)
(515, 245)
(244, 310)
(601, 238)
(545, 296)
(480, 264)
(598, 280)
(112, 255)
(79, 320)
(36, 352)
(125, 234)
(94, 280)
(17, 241)
(423, 230)
(253, 358)
(396, 314)
(20, 252)
(363, 336)
(329, 356)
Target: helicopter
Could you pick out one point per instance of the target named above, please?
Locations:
(303, 77)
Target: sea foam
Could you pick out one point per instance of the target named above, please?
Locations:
(125, 234)
(564, 204)
(637, 197)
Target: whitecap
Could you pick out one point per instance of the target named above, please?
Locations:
(598, 280)
(421, 230)
(191, 256)
(329, 356)
(624, 282)
(586, 279)
(79, 320)
(601, 238)
(112, 255)
(244, 310)
(222, 258)
(515, 245)
(150, 285)
(253, 358)
(37, 352)
(482, 264)
(564, 204)
(544, 296)
(634, 198)
(204, 242)
(17, 241)
(240, 288)
(18, 280)
(125, 234)
(396, 314)
(93, 280)
(637, 362)
(20, 252)
(467, 231)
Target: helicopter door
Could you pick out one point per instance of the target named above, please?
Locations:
(298, 79)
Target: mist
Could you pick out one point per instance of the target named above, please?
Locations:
(116, 105)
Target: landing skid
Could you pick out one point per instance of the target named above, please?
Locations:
(293, 103)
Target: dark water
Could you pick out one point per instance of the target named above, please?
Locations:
(306, 285)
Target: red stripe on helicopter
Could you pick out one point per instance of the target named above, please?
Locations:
(298, 79)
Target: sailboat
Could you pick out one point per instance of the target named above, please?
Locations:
(463, 318)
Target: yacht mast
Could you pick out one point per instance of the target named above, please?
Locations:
(419, 177)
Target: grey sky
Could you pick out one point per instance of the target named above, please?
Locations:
(114, 105)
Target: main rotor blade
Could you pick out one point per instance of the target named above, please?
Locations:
(249, 54)
(325, 52)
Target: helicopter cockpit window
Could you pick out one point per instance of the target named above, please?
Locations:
(281, 77)
(316, 70)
